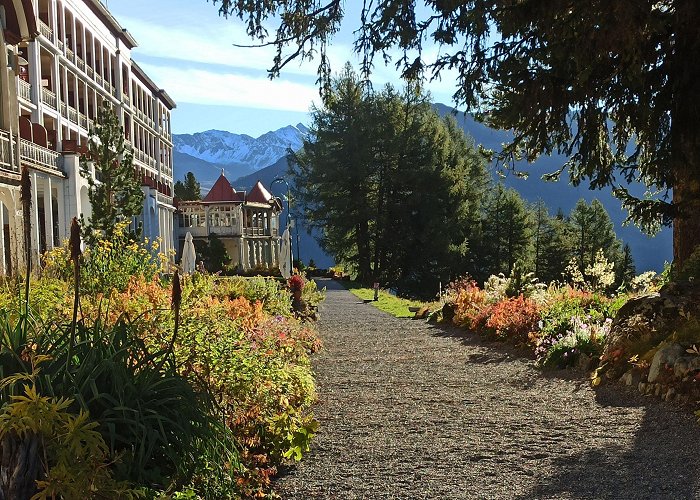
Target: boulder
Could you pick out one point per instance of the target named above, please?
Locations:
(644, 322)
(666, 356)
(448, 312)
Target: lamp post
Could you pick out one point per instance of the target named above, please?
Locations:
(289, 200)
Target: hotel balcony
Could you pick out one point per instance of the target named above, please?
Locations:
(49, 98)
(45, 30)
(36, 155)
(258, 231)
(24, 89)
(6, 152)
(164, 198)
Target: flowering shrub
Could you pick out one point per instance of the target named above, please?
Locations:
(109, 264)
(468, 303)
(514, 319)
(296, 283)
(496, 287)
(564, 349)
(237, 342)
(560, 323)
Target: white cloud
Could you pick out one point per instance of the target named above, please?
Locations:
(198, 86)
(208, 44)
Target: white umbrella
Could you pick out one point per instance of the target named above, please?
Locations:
(285, 254)
(189, 256)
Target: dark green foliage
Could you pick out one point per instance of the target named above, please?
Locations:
(149, 415)
(217, 257)
(116, 195)
(613, 85)
(189, 189)
(552, 244)
(592, 230)
(507, 231)
(625, 269)
(395, 189)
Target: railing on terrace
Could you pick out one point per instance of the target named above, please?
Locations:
(73, 114)
(60, 45)
(38, 155)
(225, 230)
(6, 152)
(48, 97)
(126, 99)
(164, 198)
(80, 63)
(90, 71)
(64, 110)
(255, 231)
(82, 120)
(69, 54)
(24, 89)
(45, 30)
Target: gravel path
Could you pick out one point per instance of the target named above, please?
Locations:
(409, 410)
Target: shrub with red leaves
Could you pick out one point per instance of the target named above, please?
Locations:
(514, 319)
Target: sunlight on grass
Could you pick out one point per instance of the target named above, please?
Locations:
(387, 302)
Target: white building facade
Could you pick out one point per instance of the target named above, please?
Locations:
(65, 58)
(247, 224)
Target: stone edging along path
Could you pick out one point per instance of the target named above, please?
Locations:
(411, 410)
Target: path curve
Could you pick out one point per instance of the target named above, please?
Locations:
(409, 410)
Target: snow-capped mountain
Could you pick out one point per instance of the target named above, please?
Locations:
(241, 150)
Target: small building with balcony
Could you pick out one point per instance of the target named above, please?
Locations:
(65, 58)
(246, 223)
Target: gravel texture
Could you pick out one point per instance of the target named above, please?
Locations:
(411, 410)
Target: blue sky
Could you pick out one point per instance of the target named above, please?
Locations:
(187, 49)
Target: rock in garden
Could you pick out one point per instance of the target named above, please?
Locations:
(667, 355)
(644, 322)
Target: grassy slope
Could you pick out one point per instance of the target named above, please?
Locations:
(395, 306)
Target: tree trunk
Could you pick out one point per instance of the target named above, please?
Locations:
(19, 466)
(685, 133)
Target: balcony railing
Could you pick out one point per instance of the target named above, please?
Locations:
(38, 155)
(24, 89)
(45, 30)
(69, 54)
(255, 231)
(6, 152)
(73, 114)
(164, 198)
(80, 63)
(98, 78)
(48, 97)
(82, 120)
(60, 45)
(126, 99)
(90, 71)
(64, 110)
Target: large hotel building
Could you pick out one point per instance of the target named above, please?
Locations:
(63, 59)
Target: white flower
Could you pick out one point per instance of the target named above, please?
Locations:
(96, 140)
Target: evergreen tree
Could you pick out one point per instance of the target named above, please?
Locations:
(189, 190)
(552, 244)
(115, 194)
(507, 232)
(332, 178)
(592, 230)
(614, 85)
(395, 189)
(625, 269)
